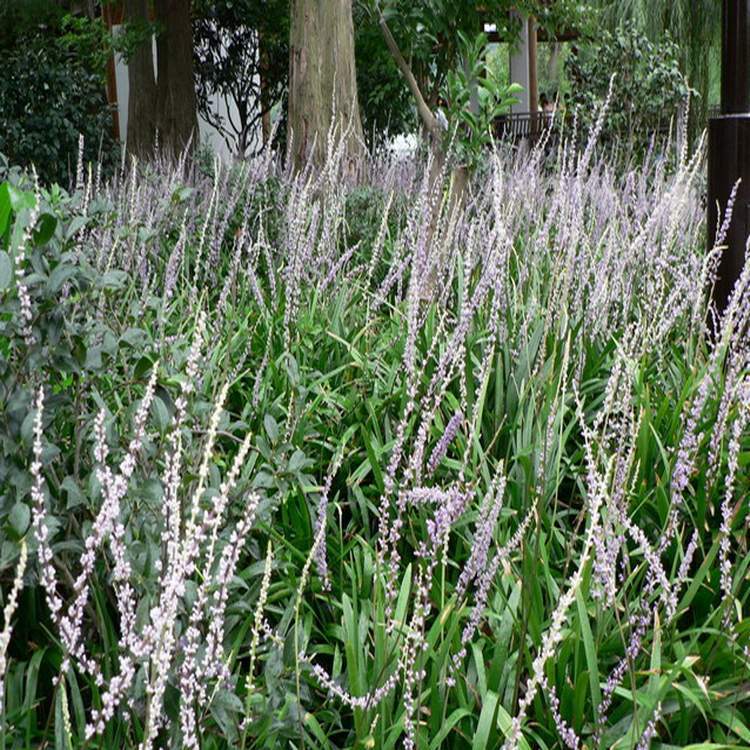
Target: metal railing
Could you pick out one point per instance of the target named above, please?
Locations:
(519, 125)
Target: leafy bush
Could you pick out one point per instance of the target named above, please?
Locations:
(647, 90)
(470, 124)
(49, 327)
(24, 18)
(363, 481)
(52, 93)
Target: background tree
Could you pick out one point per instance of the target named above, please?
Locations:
(386, 104)
(647, 91)
(175, 82)
(440, 50)
(695, 26)
(429, 35)
(142, 102)
(241, 53)
(164, 103)
(322, 79)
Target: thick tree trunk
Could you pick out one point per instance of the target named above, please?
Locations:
(177, 119)
(322, 80)
(142, 87)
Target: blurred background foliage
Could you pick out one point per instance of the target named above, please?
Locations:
(56, 52)
(52, 90)
(648, 91)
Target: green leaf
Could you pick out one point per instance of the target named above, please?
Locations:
(93, 358)
(4, 208)
(298, 461)
(447, 726)
(32, 678)
(732, 721)
(61, 739)
(20, 199)
(373, 459)
(314, 726)
(45, 228)
(27, 428)
(75, 226)
(19, 518)
(112, 280)
(181, 194)
(143, 366)
(6, 270)
(134, 337)
(160, 413)
(590, 650)
(655, 666)
(75, 496)
(61, 273)
(486, 723)
(272, 428)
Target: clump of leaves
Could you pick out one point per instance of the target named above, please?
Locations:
(475, 97)
(648, 86)
(52, 91)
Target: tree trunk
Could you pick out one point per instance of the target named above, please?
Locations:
(265, 109)
(177, 119)
(322, 80)
(142, 87)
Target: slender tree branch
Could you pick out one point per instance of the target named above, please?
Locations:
(425, 113)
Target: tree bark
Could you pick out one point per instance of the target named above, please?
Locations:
(177, 119)
(322, 80)
(142, 87)
(265, 111)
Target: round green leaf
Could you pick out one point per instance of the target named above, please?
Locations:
(19, 518)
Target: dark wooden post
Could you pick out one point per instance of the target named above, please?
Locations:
(729, 149)
(533, 79)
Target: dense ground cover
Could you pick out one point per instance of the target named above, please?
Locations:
(319, 462)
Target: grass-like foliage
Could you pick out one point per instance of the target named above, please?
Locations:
(310, 461)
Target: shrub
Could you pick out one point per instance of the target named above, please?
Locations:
(52, 92)
(647, 91)
(48, 326)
